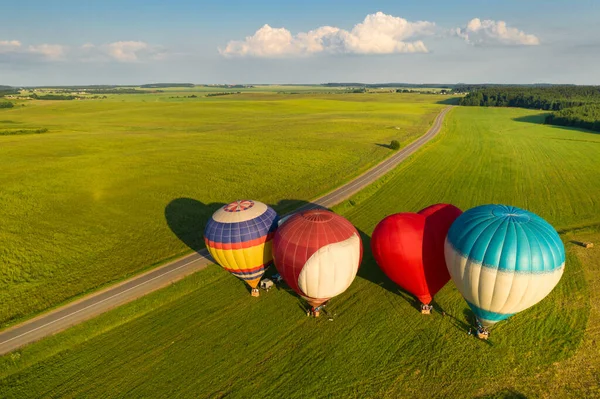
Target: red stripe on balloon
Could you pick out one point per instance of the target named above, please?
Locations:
(254, 269)
(239, 245)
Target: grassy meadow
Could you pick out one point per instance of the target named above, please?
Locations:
(102, 193)
(205, 337)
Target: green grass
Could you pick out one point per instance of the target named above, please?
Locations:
(205, 337)
(90, 201)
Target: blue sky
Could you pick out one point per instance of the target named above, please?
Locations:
(133, 42)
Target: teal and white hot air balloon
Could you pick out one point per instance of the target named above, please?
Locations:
(503, 260)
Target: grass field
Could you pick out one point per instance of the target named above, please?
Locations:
(88, 201)
(205, 337)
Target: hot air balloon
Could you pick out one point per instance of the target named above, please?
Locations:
(318, 254)
(239, 237)
(409, 248)
(503, 260)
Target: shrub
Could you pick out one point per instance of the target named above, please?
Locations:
(395, 145)
(22, 131)
(6, 104)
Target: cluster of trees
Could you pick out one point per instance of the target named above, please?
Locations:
(74, 88)
(229, 86)
(577, 106)
(443, 91)
(121, 91)
(6, 104)
(192, 96)
(468, 88)
(222, 94)
(7, 91)
(161, 85)
(52, 97)
(552, 98)
(586, 116)
(391, 85)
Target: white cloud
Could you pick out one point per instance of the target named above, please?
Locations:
(9, 45)
(15, 50)
(49, 51)
(488, 32)
(127, 51)
(121, 51)
(378, 33)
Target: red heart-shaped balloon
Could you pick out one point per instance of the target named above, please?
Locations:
(409, 248)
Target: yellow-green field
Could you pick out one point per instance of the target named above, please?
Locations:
(84, 204)
(205, 337)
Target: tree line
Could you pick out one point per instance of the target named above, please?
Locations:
(577, 106)
(586, 116)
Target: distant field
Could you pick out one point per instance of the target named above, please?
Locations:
(205, 337)
(184, 93)
(87, 202)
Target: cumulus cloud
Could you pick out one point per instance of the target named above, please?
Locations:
(49, 51)
(15, 51)
(128, 51)
(378, 33)
(488, 32)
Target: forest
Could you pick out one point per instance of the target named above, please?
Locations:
(576, 106)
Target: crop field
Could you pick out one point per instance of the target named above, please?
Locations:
(206, 337)
(94, 198)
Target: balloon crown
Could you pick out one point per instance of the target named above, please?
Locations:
(514, 214)
(318, 216)
(238, 206)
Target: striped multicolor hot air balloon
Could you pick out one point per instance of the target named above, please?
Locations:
(503, 260)
(239, 235)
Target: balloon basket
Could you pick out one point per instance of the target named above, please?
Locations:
(317, 313)
(482, 335)
(425, 311)
(255, 292)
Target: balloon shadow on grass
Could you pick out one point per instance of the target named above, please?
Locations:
(369, 270)
(187, 219)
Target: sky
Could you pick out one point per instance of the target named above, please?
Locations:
(231, 42)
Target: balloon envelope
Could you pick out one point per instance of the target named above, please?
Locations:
(409, 248)
(239, 238)
(318, 254)
(503, 260)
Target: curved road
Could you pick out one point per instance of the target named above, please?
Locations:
(126, 291)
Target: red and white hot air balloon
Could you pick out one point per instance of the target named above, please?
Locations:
(317, 253)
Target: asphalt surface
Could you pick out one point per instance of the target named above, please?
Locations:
(99, 302)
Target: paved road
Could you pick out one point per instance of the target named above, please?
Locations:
(111, 297)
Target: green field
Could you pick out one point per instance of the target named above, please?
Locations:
(205, 337)
(90, 201)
